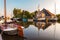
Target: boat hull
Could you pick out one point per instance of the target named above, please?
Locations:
(12, 32)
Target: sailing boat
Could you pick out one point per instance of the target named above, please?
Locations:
(10, 28)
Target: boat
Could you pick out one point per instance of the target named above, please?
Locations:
(9, 27)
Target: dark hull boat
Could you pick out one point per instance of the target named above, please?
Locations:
(8, 28)
(11, 29)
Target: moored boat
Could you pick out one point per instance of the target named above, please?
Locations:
(11, 28)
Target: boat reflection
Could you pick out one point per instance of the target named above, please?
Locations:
(8, 37)
(39, 25)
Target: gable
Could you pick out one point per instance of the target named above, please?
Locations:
(45, 12)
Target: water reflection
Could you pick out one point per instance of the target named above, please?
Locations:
(34, 31)
(15, 37)
(39, 25)
(40, 31)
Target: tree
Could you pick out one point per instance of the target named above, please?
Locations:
(58, 17)
(17, 13)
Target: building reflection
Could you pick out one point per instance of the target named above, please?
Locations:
(42, 25)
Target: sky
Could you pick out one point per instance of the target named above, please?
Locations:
(30, 5)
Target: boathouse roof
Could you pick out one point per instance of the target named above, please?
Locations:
(47, 12)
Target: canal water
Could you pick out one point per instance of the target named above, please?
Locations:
(37, 31)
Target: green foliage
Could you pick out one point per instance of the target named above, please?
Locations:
(25, 24)
(58, 16)
(18, 13)
(14, 11)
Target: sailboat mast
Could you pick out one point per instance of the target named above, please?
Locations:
(5, 10)
(55, 25)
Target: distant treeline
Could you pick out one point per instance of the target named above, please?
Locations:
(18, 13)
(58, 17)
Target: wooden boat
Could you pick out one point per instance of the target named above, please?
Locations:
(12, 28)
(8, 27)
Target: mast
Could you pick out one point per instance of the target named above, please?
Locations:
(38, 7)
(55, 24)
(5, 11)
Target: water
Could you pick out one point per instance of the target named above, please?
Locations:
(38, 31)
